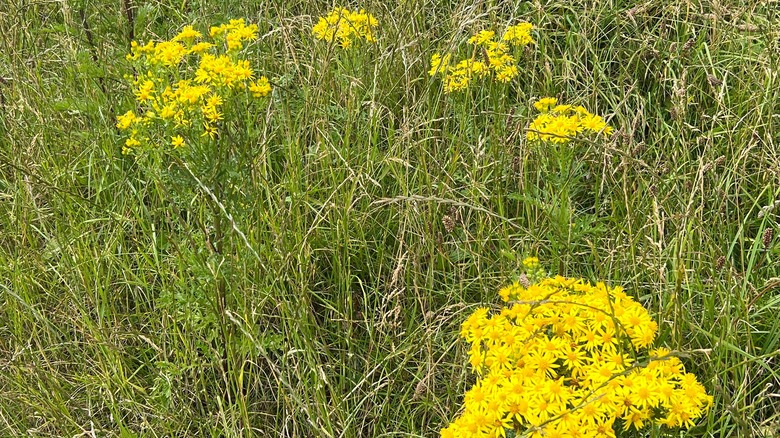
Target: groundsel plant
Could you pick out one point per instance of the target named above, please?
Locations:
(183, 84)
(561, 123)
(345, 26)
(566, 358)
(490, 57)
(195, 97)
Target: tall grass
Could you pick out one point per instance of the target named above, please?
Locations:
(373, 212)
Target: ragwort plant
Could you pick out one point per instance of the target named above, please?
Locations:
(490, 57)
(345, 48)
(345, 27)
(566, 358)
(563, 140)
(562, 123)
(192, 131)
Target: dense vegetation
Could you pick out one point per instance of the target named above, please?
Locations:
(313, 281)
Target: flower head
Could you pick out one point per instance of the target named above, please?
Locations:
(177, 141)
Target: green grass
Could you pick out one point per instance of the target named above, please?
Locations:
(342, 289)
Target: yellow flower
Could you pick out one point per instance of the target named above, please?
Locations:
(201, 47)
(233, 42)
(188, 33)
(132, 142)
(137, 51)
(544, 104)
(343, 25)
(531, 262)
(209, 130)
(211, 113)
(561, 123)
(261, 87)
(197, 93)
(216, 31)
(192, 94)
(439, 64)
(214, 100)
(482, 37)
(177, 141)
(498, 62)
(126, 120)
(168, 111)
(557, 361)
(168, 53)
(507, 73)
(519, 35)
(145, 91)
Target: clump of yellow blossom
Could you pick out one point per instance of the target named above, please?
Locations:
(490, 57)
(561, 123)
(567, 358)
(184, 83)
(234, 34)
(261, 87)
(344, 26)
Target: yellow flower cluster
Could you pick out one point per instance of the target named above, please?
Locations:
(234, 34)
(561, 123)
(494, 58)
(343, 25)
(185, 81)
(567, 359)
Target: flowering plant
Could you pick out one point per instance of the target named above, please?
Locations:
(490, 57)
(344, 26)
(193, 96)
(566, 358)
(561, 123)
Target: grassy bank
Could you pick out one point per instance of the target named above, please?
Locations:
(369, 213)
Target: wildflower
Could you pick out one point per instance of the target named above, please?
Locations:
(208, 71)
(544, 104)
(201, 47)
(145, 91)
(531, 262)
(482, 37)
(439, 64)
(177, 141)
(132, 142)
(497, 61)
(561, 123)
(126, 120)
(168, 53)
(168, 111)
(555, 363)
(188, 33)
(519, 35)
(211, 113)
(344, 26)
(137, 50)
(261, 87)
(214, 100)
(209, 130)
(190, 94)
(235, 33)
